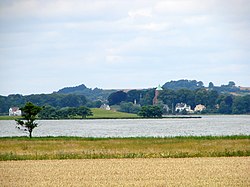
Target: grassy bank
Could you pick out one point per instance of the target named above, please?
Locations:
(109, 114)
(9, 117)
(22, 148)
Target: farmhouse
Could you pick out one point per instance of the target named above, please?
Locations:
(15, 111)
(183, 106)
(105, 107)
(199, 108)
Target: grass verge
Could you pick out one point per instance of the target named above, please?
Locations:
(43, 148)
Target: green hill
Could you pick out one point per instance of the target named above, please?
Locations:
(89, 93)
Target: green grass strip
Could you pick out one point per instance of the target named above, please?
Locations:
(43, 148)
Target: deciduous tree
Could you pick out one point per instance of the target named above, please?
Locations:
(150, 112)
(117, 97)
(29, 113)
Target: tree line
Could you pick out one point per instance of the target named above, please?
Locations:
(194, 85)
(133, 100)
(90, 94)
(214, 101)
(49, 112)
(54, 100)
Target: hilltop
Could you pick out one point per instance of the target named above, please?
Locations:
(230, 88)
(102, 94)
(89, 93)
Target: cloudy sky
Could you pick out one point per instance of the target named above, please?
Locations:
(46, 45)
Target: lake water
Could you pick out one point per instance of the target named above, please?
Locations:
(214, 125)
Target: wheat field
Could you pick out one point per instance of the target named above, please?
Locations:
(223, 171)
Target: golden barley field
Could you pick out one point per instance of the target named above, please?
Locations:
(223, 171)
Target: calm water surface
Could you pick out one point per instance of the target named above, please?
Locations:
(207, 125)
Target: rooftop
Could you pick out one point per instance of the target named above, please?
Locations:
(159, 87)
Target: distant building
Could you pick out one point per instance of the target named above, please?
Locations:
(15, 111)
(166, 108)
(183, 106)
(157, 90)
(105, 107)
(217, 106)
(199, 108)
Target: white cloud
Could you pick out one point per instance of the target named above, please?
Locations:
(61, 10)
(113, 59)
(197, 20)
(140, 13)
(181, 7)
(88, 40)
(153, 26)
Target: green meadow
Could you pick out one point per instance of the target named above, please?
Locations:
(110, 114)
(9, 117)
(40, 148)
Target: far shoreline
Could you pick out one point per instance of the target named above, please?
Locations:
(94, 118)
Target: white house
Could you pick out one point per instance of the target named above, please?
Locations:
(183, 106)
(15, 111)
(199, 108)
(105, 107)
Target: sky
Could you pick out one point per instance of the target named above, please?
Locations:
(46, 45)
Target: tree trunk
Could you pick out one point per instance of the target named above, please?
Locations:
(30, 133)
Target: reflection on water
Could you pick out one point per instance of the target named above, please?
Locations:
(207, 125)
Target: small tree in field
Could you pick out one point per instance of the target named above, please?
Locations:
(29, 113)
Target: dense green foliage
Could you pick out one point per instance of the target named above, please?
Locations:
(194, 85)
(49, 112)
(214, 102)
(129, 107)
(150, 112)
(29, 114)
(183, 84)
(117, 97)
(142, 97)
(71, 90)
(55, 100)
(90, 94)
(241, 105)
(227, 88)
(190, 97)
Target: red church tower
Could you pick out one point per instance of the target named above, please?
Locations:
(155, 100)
